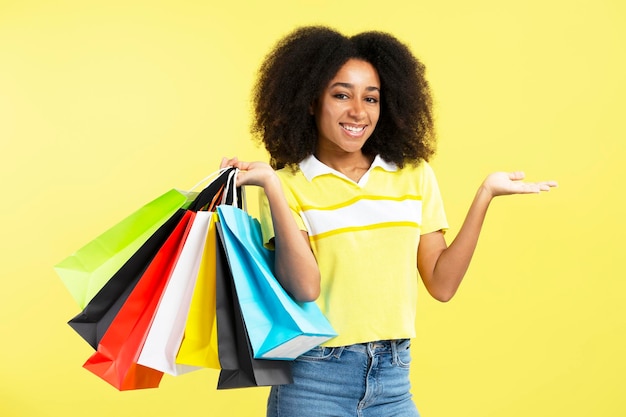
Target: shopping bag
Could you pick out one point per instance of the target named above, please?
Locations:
(115, 361)
(86, 271)
(166, 331)
(92, 323)
(239, 368)
(199, 344)
(278, 326)
(98, 314)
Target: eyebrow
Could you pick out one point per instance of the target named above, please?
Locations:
(351, 86)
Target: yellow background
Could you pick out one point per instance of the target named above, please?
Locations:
(106, 104)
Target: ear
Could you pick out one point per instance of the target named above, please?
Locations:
(312, 107)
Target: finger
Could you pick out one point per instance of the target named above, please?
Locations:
(537, 187)
(530, 188)
(226, 162)
(239, 181)
(516, 175)
(546, 185)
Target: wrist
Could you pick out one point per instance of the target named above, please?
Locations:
(485, 193)
(271, 183)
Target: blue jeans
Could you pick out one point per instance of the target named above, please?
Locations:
(364, 380)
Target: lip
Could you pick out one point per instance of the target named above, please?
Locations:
(354, 130)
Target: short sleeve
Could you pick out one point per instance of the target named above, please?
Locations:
(433, 213)
(267, 227)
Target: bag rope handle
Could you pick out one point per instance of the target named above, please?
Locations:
(212, 177)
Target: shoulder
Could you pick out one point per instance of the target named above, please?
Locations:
(294, 183)
(418, 177)
(289, 175)
(419, 170)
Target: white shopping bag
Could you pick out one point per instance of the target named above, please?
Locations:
(168, 326)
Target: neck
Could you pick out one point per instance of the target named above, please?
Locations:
(352, 165)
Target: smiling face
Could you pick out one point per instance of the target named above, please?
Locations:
(347, 111)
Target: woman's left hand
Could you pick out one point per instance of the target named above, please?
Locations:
(505, 183)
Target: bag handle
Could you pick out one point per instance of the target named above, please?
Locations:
(213, 192)
(212, 176)
(233, 195)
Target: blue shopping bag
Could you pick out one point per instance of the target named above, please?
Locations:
(278, 326)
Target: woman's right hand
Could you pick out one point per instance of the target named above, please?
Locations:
(295, 265)
(251, 173)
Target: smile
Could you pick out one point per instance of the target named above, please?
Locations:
(353, 129)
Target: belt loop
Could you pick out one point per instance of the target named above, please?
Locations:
(337, 351)
(394, 351)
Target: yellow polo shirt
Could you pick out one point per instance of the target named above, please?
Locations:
(364, 237)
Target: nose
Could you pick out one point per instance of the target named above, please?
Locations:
(357, 110)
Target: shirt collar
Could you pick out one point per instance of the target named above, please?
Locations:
(312, 167)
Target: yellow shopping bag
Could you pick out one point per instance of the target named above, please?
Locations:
(199, 345)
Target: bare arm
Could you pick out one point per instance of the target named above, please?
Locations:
(295, 265)
(441, 267)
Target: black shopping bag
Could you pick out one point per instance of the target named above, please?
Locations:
(92, 323)
(239, 368)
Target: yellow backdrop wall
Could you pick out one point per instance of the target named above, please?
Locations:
(105, 105)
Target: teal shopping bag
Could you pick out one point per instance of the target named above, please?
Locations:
(277, 325)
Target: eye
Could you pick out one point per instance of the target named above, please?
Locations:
(372, 100)
(341, 96)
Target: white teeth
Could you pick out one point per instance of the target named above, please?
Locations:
(353, 129)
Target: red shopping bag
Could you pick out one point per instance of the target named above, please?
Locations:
(115, 360)
(93, 322)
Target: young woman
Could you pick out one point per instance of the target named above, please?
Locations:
(353, 211)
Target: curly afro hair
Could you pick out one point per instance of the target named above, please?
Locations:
(300, 66)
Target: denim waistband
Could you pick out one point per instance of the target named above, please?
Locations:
(379, 346)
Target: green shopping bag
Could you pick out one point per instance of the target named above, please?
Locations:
(86, 271)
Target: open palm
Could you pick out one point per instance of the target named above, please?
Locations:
(505, 183)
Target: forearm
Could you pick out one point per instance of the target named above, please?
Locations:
(295, 265)
(442, 268)
(453, 261)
